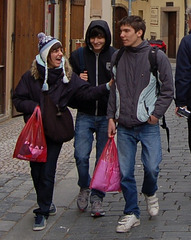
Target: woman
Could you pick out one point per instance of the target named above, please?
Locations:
(50, 72)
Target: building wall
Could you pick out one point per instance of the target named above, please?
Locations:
(97, 9)
(9, 60)
(152, 11)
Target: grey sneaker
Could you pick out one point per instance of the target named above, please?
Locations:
(83, 197)
(127, 222)
(97, 209)
(40, 223)
(152, 205)
(52, 210)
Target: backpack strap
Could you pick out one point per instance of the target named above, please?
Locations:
(164, 126)
(154, 65)
(81, 59)
(154, 70)
(119, 54)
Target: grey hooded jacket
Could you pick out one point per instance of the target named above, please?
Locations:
(133, 97)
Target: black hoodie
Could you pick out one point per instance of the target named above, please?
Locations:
(103, 62)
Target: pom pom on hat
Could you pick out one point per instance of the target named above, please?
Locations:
(45, 44)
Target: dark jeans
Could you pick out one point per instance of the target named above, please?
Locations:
(43, 175)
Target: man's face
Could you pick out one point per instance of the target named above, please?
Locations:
(97, 43)
(129, 37)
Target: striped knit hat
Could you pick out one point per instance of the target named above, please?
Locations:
(44, 46)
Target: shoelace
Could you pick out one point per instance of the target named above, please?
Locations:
(96, 203)
(83, 195)
(153, 202)
(38, 219)
(125, 219)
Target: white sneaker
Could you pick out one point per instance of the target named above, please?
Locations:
(152, 205)
(127, 222)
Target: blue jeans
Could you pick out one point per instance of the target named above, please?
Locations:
(151, 156)
(85, 127)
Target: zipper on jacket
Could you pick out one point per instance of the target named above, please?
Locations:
(97, 83)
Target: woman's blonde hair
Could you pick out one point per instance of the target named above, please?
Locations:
(67, 66)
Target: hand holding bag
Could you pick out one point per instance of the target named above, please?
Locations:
(31, 143)
(106, 176)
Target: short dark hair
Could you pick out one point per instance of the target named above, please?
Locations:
(97, 32)
(135, 22)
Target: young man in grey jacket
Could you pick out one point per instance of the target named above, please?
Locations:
(135, 107)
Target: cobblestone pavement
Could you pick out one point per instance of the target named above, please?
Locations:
(15, 180)
(17, 197)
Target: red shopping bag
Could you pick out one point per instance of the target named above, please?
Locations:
(106, 176)
(31, 143)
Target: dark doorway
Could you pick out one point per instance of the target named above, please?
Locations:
(3, 6)
(172, 34)
(118, 14)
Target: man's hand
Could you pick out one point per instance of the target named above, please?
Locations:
(111, 128)
(111, 82)
(176, 109)
(84, 75)
(152, 120)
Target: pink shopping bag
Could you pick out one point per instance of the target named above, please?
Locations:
(106, 176)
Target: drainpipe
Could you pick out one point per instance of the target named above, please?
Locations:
(130, 2)
(129, 6)
(113, 5)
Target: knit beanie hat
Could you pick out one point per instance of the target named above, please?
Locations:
(44, 46)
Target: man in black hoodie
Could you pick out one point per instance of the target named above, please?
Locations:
(183, 74)
(92, 64)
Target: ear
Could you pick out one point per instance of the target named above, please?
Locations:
(140, 33)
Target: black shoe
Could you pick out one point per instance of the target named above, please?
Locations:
(40, 223)
(52, 210)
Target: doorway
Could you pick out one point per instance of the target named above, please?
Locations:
(29, 21)
(118, 14)
(76, 25)
(3, 6)
(172, 34)
(169, 27)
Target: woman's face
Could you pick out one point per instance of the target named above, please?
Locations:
(55, 58)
